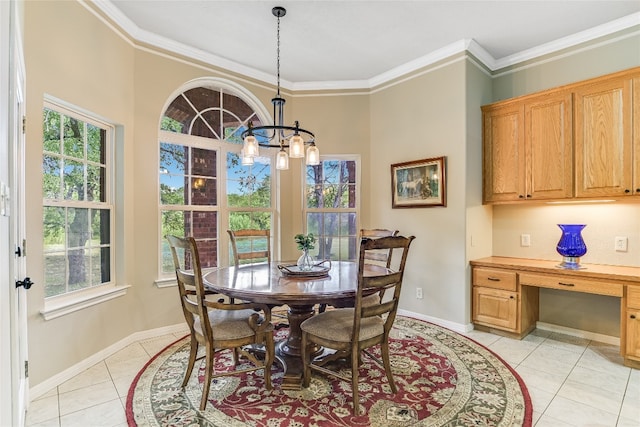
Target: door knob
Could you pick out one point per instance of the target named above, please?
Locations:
(26, 283)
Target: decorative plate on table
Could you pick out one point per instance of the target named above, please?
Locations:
(320, 269)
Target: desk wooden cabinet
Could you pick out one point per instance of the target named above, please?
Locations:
(505, 295)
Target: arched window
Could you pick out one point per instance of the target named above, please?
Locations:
(204, 187)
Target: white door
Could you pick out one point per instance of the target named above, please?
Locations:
(13, 317)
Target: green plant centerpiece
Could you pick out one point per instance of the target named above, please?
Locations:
(305, 242)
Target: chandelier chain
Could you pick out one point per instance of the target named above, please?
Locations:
(278, 54)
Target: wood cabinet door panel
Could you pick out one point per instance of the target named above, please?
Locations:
(633, 334)
(549, 145)
(636, 136)
(603, 138)
(504, 157)
(633, 297)
(496, 308)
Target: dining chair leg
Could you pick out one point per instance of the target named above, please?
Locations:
(207, 377)
(193, 352)
(384, 348)
(355, 355)
(268, 360)
(306, 369)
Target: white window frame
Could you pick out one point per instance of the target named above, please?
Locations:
(69, 302)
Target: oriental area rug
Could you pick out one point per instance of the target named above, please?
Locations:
(443, 379)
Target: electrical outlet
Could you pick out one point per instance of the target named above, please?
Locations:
(419, 293)
(621, 244)
(525, 240)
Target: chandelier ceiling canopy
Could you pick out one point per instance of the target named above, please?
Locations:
(278, 135)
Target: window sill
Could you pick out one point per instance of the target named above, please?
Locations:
(63, 305)
(166, 283)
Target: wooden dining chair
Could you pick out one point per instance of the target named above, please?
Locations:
(351, 331)
(257, 241)
(379, 257)
(218, 325)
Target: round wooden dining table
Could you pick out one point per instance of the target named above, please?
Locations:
(267, 284)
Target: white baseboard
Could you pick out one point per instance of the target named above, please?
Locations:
(607, 339)
(456, 327)
(54, 381)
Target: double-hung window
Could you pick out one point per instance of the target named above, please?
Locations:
(331, 207)
(77, 201)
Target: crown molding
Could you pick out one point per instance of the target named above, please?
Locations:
(142, 36)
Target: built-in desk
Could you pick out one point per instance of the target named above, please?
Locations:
(505, 295)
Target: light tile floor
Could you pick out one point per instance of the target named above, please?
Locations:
(572, 382)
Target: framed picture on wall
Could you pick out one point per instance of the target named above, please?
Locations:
(419, 183)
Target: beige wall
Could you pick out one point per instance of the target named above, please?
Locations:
(86, 64)
(604, 221)
(420, 118)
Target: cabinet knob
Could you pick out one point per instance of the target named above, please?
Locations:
(528, 196)
(633, 316)
(637, 190)
(512, 297)
(627, 191)
(521, 196)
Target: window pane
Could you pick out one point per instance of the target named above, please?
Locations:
(78, 268)
(203, 162)
(95, 183)
(172, 189)
(51, 177)
(51, 131)
(78, 227)
(248, 185)
(95, 144)
(55, 264)
(54, 228)
(252, 220)
(73, 137)
(100, 227)
(173, 223)
(203, 192)
(73, 180)
(173, 158)
(204, 225)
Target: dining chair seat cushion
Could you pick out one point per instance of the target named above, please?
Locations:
(337, 325)
(229, 324)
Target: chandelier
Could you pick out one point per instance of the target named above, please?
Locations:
(278, 135)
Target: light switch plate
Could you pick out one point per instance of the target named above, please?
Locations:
(621, 244)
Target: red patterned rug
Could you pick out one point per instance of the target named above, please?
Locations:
(443, 379)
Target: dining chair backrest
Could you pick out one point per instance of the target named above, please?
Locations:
(189, 278)
(380, 279)
(257, 242)
(382, 257)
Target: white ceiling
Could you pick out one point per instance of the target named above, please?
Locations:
(361, 43)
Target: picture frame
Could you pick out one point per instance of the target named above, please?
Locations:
(419, 183)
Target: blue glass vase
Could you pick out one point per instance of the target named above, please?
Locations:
(571, 246)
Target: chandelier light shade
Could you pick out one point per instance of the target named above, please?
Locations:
(278, 135)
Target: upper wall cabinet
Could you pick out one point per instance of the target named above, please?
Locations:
(528, 149)
(604, 147)
(576, 141)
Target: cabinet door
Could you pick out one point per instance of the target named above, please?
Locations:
(633, 334)
(603, 138)
(504, 156)
(496, 308)
(549, 146)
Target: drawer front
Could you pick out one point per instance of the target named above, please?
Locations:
(633, 297)
(572, 283)
(494, 278)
